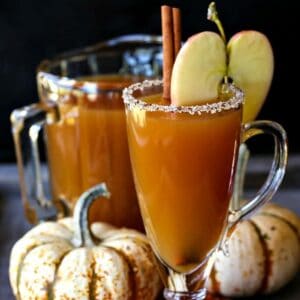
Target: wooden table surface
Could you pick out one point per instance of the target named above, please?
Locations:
(13, 224)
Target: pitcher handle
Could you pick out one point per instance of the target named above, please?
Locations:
(27, 123)
(277, 171)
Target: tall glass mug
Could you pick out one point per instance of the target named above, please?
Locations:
(184, 161)
(82, 114)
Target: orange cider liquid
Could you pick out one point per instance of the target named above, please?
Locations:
(184, 167)
(87, 146)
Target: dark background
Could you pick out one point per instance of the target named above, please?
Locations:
(31, 30)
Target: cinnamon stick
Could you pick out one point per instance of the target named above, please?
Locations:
(171, 36)
(176, 30)
(168, 48)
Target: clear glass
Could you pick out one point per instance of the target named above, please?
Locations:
(81, 115)
(184, 161)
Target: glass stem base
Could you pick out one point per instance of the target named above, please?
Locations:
(197, 295)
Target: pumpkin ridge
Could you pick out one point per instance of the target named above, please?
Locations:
(65, 226)
(292, 226)
(55, 230)
(92, 281)
(20, 267)
(51, 285)
(49, 235)
(268, 262)
(54, 236)
(214, 281)
(131, 273)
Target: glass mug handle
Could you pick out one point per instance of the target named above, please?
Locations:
(27, 123)
(276, 173)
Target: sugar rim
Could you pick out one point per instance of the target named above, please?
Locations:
(210, 108)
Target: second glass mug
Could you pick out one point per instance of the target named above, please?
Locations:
(82, 115)
(184, 160)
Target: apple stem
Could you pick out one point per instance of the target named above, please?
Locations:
(212, 15)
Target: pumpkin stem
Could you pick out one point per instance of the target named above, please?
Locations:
(83, 235)
(239, 182)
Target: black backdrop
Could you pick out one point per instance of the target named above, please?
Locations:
(31, 30)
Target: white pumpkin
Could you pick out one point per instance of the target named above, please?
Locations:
(264, 255)
(60, 260)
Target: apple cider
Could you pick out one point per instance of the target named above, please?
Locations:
(88, 145)
(183, 167)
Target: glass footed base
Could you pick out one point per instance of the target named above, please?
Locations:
(171, 295)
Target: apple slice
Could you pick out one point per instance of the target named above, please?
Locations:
(199, 68)
(251, 66)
